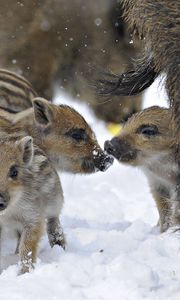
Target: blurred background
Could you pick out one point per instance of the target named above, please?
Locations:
(64, 43)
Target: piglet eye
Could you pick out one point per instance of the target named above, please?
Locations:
(148, 130)
(77, 134)
(13, 172)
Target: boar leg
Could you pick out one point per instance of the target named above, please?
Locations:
(164, 209)
(55, 232)
(28, 246)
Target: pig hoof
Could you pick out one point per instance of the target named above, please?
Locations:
(57, 239)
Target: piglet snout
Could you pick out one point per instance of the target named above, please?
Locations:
(108, 161)
(111, 146)
(103, 161)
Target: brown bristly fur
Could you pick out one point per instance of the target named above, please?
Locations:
(16, 93)
(158, 23)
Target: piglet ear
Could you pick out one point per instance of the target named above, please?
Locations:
(42, 111)
(26, 146)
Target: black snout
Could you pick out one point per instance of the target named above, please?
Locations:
(121, 150)
(3, 202)
(100, 161)
(103, 161)
(111, 146)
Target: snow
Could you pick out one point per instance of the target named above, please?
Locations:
(114, 248)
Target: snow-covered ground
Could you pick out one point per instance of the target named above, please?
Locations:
(114, 251)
